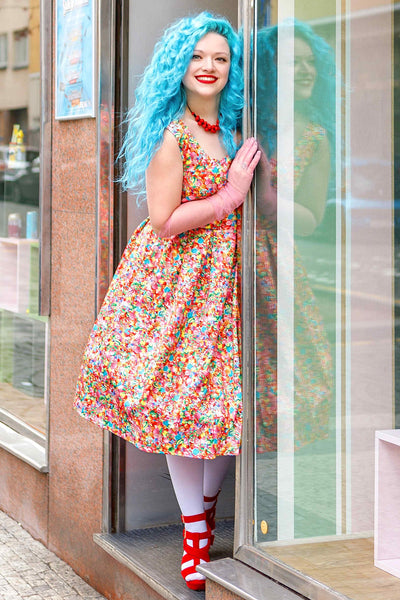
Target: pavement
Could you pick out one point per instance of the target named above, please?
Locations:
(29, 571)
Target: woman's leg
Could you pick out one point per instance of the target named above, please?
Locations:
(214, 474)
(187, 476)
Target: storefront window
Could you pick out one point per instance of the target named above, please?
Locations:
(23, 331)
(325, 285)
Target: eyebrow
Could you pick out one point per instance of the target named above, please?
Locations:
(218, 52)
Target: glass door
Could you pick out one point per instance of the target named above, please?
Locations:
(324, 286)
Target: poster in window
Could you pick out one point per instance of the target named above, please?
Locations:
(75, 59)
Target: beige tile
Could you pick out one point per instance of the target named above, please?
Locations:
(345, 566)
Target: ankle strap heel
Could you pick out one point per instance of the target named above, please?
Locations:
(193, 552)
(210, 514)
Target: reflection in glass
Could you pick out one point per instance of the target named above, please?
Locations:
(312, 69)
(325, 317)
(22, 329)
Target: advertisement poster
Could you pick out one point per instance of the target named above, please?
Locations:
(75, 64)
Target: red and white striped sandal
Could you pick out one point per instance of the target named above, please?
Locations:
(193, 553)
(210, 514)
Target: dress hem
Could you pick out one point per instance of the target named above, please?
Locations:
(95, 420)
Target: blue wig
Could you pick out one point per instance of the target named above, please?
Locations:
(320, 108)
(160, 97)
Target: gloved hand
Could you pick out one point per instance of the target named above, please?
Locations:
(240, 175)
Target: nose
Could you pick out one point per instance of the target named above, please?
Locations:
(305, 67)
(208, 64)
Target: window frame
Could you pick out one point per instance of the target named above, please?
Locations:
(20, 62)
(4, 50)
(14, 431)
(113, 48)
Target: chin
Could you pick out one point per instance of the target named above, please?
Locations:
(300, 96)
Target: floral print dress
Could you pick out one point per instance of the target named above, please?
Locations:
(162, 365)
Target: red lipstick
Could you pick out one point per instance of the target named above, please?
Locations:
(206, 78)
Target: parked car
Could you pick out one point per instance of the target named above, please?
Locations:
(27, 184)
(19, 187)
(19, 180)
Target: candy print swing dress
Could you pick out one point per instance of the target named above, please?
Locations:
(162, 367)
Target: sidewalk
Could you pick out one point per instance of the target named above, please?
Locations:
(28, 571)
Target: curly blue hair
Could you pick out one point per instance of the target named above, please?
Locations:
(320, 108)
(160, 97)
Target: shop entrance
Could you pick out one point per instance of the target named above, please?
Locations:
(149, 497)
(142, 517)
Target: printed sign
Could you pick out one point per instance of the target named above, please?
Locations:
(75, 60)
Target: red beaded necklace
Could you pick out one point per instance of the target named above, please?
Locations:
(204, 124)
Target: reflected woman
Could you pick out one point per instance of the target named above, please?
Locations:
(312, 70)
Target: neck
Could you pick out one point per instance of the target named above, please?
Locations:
(207, 110)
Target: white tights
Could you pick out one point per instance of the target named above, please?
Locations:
(192, 479)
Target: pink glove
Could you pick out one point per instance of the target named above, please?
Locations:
(198, 213)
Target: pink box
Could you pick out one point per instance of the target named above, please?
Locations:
(387, 501)
(15, 273)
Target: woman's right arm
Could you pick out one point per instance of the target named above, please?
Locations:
(168, 216)
(164, 177)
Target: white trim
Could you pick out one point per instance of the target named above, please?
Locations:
(338, 247)
(285, 284)
(347, 324)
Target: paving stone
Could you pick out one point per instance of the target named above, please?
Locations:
(29, 571)
(8, 593)
(48, 594)
(18, 583)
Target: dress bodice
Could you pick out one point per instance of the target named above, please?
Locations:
(203, 175)
(303, 153)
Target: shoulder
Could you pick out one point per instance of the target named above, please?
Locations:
(168, 154)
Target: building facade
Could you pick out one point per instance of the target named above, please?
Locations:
(310, 509)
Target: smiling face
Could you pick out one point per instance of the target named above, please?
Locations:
(305, 72)
(208, 70)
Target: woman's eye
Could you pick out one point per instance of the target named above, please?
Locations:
(221, 59)
(196, 56)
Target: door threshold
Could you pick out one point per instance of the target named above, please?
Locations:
(154, 555)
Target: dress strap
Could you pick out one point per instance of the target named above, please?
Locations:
(178, 131)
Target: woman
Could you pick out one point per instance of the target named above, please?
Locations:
(162, 366)
(312, 70)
